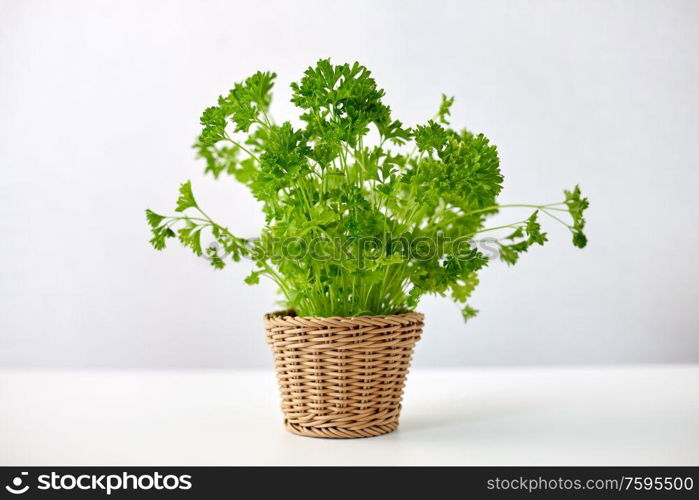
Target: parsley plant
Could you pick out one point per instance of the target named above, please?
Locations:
(363, 214)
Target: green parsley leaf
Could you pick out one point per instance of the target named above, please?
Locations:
(154, 220)
(445, 109)
(186, 199)
(430, 137)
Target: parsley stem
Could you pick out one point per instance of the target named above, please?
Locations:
(556, 218)
(267, 120)
(515, 205)
(514, 225)
(252, 155)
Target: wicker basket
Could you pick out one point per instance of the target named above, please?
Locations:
(342, 377)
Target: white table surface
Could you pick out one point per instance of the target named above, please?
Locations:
(526, 416)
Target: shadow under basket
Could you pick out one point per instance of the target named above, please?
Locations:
(342, 377)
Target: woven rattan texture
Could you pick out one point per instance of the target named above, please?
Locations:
(342, 377)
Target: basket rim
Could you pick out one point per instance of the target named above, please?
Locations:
(291, 315)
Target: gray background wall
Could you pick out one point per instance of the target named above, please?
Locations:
(100, 103)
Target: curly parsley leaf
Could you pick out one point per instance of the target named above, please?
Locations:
(576, 206)
(533, 230)
(430, 137)
(190, 236)
(154, 220)
(186, 199)
(445, 109)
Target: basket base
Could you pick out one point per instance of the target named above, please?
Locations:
(340, 432)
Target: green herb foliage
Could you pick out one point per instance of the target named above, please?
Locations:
(363, 214)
